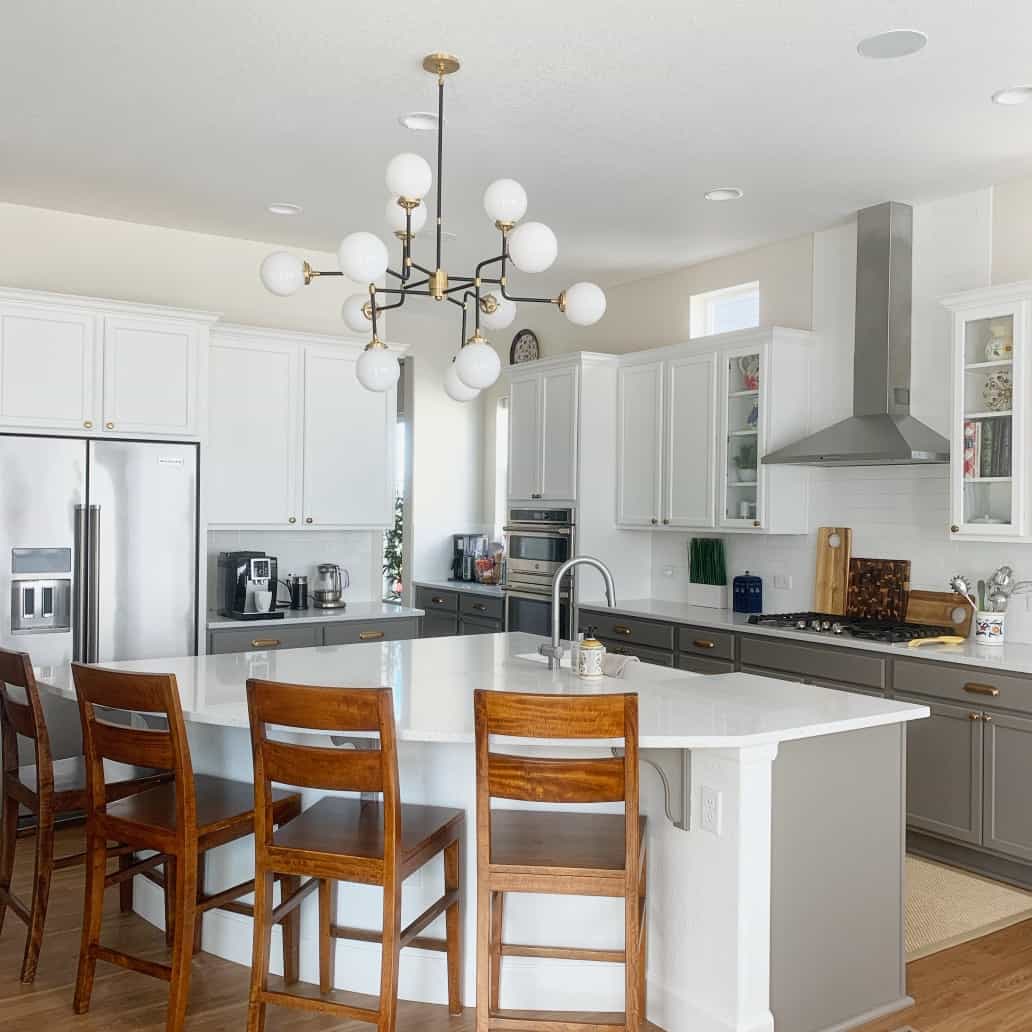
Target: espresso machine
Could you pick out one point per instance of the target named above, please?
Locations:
(466, 549)
(240, 575)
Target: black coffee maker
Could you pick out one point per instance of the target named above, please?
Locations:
(466, 549)
(240, 571)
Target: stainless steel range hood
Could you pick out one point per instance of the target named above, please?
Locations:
(881, 431)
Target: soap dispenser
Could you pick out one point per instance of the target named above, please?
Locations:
(591, 654)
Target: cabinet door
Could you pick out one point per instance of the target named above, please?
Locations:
(439, 625)
(525, 438)
(691, 438)
(559, 435)
(742, 418)
(253, 461)
(150, 376)
(49, 368)
(944, 771)
(639, 444)
(1007, 821)
(349, 445)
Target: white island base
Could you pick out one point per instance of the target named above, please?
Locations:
(787, 915)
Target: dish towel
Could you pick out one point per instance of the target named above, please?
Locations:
(616, 666)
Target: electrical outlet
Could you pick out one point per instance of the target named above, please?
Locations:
(782, 580)
(668, 571)
(710, 818)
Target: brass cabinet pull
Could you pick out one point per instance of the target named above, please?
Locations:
(480, 606)
(666, 522)
(974, 716)
(437, 600)
(265, 643)
(755, 523)
(981, 689)
(987, 718)
(955, 529)
(109, 426)
(88, 423)
(370, 635)
(704, 643)
(618, 651)
(654, 521)
(621, 629)
(308, 519)
(292, 519)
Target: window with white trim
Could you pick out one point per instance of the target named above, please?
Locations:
(720, 311)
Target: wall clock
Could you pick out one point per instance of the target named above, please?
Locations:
(525, 348)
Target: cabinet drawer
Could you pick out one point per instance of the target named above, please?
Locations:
(704, 665)
(967, 685)
(705, 642)
(628, 629)
(643, 652)
(474, 625)
(434, 598)
(352, 631)
(830, 663)
(482, 607)
(265, 639)
(439, 625)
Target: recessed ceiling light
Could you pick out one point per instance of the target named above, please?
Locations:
(281, 208)
(895, 43)
(419, 121)
(724, 193)
(1013, 95)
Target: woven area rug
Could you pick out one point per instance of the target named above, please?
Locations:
(946, 906)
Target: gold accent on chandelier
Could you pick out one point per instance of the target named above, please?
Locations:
(488, 304)
(440, 64)
(438, 285)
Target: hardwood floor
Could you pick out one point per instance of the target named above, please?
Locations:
(982, 986)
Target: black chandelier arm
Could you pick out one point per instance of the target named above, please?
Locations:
(397, 275)
(463, 284)
(404, 291)
(422, 268)
(411, 287)
(489, 261)
(313, 273)
(510, 297)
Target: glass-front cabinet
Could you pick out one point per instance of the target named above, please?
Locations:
(988, 483)
(743, 439)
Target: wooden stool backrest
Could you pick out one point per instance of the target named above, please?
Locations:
(337, 710)
(603, 779)
(162, 749)
(23, 718)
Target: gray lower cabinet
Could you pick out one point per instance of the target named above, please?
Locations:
(703, 664)
(643, 652)
(476, 625)
(1007, 815)
(451, 612)
(263, 639)
(439, 625)
(353, 631)
(944, 771)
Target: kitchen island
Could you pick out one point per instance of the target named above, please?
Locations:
(775, 836)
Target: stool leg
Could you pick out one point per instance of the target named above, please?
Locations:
(93, 906)
(327, 916)
(125, 889)
(202, 864)
(291, 933)
(483, 954)
(497, 912)
(40, 888)
(8, 837)
(261, 946)
(390, 955)
(632, 980)
(170, 900)
(183, 939)
(453, 926)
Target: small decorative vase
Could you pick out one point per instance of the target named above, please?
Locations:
(989, 628)
(749, 367)
(999, 347)
(746, 476)
(998, 391)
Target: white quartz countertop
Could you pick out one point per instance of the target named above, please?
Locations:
(434, 678)
(466, 587)
(353, 611)
(1012, 658)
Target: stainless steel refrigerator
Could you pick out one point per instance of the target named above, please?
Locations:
(98, 555)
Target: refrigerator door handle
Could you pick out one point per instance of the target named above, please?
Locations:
(79, 586)
(93, 586)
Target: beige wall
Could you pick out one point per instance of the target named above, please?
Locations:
(1012, 231)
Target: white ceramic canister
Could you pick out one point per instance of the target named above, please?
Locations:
(989, 628)
(591, 655)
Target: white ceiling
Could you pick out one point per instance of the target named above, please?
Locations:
(616, 117)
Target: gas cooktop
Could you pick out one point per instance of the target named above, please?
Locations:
(851, 626)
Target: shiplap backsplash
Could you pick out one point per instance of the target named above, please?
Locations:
(897, 512)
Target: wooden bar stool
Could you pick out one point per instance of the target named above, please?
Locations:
(581, 854)
(341, 839)
(181, 820)
(49, 789)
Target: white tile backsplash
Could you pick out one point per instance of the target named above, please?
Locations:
(897, 512)
(300, 552)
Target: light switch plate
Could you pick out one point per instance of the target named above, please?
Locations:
(710, 816)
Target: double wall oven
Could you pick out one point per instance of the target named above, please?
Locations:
(537, 543)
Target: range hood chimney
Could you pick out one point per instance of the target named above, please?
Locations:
(881, 431)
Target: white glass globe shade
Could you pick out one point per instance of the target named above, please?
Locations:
(455, 388)
(585, 304)
(396, 216)
(505, 201)
(478, 365)
(409, 175)
(502, 316)
(377, 369)
(353, 316)
(533, 247)
(362, 257)
(282, 273)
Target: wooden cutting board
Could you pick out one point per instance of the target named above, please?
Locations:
(832, 579)
(939, 608)
(878, 588)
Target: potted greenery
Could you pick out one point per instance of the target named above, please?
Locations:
(745, 461)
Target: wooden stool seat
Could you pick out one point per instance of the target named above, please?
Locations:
(588, 843)
(70, 782)
(352, 827)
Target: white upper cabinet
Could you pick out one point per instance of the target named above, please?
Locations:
(253, 432)
(989, 481)
(543, 433)
(349, 444)
(71, 364)
(49, 368)
(694, 422)
(639, 431)
(151, 376)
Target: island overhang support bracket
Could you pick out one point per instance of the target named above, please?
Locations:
(674, 767)
(367, 744)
